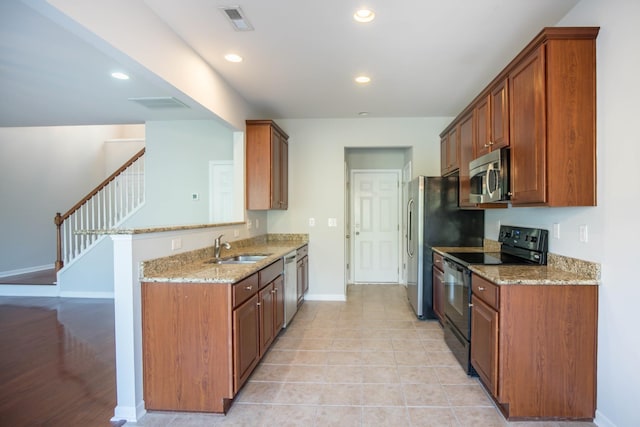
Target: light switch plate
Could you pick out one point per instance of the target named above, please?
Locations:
(176, 244)
(312, 222)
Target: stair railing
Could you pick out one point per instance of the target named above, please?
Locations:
(103, 208)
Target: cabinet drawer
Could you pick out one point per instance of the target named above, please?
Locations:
(302, 252)
(485, 290)
(270, 272)
(437, 261)
(243, 290)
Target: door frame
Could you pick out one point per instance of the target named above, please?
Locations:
(351, 208)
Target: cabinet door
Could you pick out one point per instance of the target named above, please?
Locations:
(500, 116)
(482, 114)
(438, 293)
(466, 155)
(452, 150)
(284, 174)
(267, 317)
(484, 343)
(528, 124)
(276, 166)
(444, 151)
(246, 346)
(278, 289)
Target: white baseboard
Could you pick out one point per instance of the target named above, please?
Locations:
(325, 297)
(602, 421)
(72, 294)
(29, 290)
(26, 270)
(48, 291)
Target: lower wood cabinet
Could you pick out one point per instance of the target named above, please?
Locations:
(535, 346)
(201, 341)
(246, 341)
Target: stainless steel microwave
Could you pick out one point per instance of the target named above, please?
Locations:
(489, 177)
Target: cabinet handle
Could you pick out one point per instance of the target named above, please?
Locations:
(491, 142)
(273, 291)
(480, 288)
(470, 305)
(486, 145)
(257, 304)
(248, 288)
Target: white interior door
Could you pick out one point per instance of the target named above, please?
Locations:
(375, 227)
(221, 200)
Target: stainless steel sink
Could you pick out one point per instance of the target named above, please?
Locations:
(238, 259)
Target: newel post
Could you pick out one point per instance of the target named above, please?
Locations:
(58, 221)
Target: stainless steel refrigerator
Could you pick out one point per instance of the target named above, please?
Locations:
(434, 219)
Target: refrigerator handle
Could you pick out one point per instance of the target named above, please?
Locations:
(410, 205)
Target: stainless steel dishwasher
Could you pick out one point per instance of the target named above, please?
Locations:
(290, 287)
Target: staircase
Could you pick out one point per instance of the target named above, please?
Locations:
(104, 208)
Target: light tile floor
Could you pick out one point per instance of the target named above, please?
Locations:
(364, 362)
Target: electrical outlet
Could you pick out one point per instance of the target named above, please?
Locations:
(236, 232)
(312, 222)
(176, 244)
(257, 223)
(332, 222)
(556, 230)
(249, 224)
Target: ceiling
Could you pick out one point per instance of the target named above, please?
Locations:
(425, 58)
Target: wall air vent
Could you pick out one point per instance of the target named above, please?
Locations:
(236, 17)
(159, 102)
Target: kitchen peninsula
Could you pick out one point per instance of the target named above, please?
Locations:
(207, 321)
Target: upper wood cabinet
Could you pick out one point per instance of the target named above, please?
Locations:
(267, 163)
(466, 155)
(553, 121)
(450, 152)
(492, 120)
(542, 106)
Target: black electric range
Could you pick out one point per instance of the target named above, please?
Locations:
(520, 246)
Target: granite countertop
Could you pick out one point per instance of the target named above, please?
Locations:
(192, 267)
(560, 270)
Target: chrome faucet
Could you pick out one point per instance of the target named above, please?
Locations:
(217, 246)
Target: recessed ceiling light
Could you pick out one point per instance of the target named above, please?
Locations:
(363, 79)
(232, 57)
(364, 15)
(120, 76)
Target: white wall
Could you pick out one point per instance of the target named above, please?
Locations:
(44, 170)
(316, 182)
(613, 224)
(176, 165)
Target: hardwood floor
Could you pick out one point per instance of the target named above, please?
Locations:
(44, 277)
(57, 363)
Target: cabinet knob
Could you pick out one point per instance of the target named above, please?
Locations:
(248, 288)
(486, 145)
(480, 288)
(470, 305)
(257, 304)
(273, 291)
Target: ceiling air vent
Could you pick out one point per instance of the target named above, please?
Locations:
(159, 102)
(235, 15)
